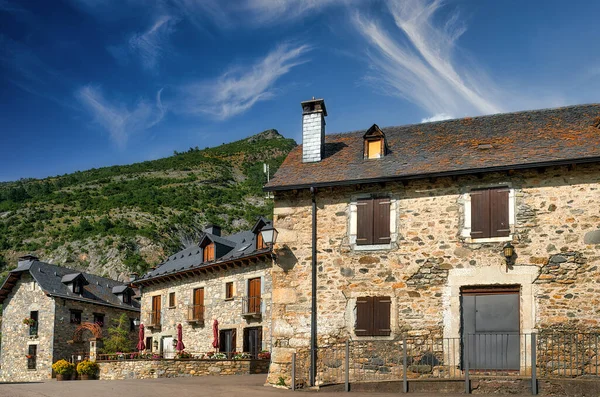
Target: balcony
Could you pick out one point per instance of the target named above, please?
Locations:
(251, 306)
(153, 319)
(195, 314)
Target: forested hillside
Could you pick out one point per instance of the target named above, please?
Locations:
(115, 220)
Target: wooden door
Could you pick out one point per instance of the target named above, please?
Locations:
(168, 349)
(254, 295)
(156, 307)
(253, 341)
(199, 304)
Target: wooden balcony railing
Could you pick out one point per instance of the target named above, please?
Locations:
(195, 314)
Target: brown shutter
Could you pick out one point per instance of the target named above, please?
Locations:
(233, 340)
(499, 222)
(364, 316)
(480, 215)
(364, 224)
(381, 221)
(381, 317)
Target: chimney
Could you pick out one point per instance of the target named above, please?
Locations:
(133, 277)
(313, 130)
(27, 258)
(213, 229)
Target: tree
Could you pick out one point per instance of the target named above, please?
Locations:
(118, 339)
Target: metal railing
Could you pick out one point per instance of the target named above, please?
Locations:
(195, 314)
(129, 356)
(251, 305)
(153, 319)
(421, 356)
(563, 354)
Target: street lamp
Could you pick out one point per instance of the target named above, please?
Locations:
(269, 235)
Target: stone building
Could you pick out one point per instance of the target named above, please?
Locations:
(412, 222)
(52, 312)
(222, 278)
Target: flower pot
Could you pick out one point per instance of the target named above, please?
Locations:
(61, 377)
(86, 376)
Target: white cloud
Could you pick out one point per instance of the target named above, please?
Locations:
(437, 117)
(277, 11)
(148, 46)
(419, 61)
(240, 88)
(120, 122)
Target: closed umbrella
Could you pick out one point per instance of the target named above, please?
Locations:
(141, 346)
(180, 346)
(215, 334)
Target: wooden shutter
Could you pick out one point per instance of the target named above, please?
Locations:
(364, 316)
(233, 340)
(381, 221)
(364, 223)
(480, 215)
(381, 315)
(499, 220)
(209, 252)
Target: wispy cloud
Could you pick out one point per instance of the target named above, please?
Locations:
(238, 89)
(419, 61)
(120, 122)
(277, 11)
(149, 46)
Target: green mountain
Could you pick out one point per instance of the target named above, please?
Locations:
(115, 220)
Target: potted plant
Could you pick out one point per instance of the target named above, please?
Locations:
(87, 369)
(28, 321)
(264, 355)
(63, 369)
(183, 354)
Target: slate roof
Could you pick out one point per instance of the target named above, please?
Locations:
(235, 247)
(462, 146)
(50, 279)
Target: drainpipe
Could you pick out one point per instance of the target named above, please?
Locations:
(313, 313)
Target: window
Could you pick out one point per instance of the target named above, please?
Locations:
(99, 319)
(490, 213)
(149, 343)
(209, 252)
(373, 316)
(78, 287)
(227, 341)
(229, 290)
(75, 317)
(131, 324)
(172, 299)
(33, 324)
(32, 357)
(374, 148)
(156, 309)
(260, 243)
(127, 297)
(374, 140)
(373, 221)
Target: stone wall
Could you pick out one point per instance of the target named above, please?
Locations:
(555, 227)
(150, 369)
(198, 337)
(64, 329)
(25, 297)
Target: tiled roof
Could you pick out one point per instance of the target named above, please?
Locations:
(238, 246)
(52, 278)
(479, 144)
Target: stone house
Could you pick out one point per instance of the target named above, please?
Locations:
(412, 222)
(52, 312)
(221, 278)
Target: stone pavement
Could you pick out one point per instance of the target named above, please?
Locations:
(239, 386)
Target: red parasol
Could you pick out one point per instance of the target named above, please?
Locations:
(215, 334)
(180, 346)
(141, 346)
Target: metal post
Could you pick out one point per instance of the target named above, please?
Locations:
(466, 358)
(347, 388)
(293, 371)
(313, 314)
(404, 366)
(534, 390)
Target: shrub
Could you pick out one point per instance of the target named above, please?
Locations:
(87, 367)
(183, 354)
(63, 367)
(264, 355)
(118, 340)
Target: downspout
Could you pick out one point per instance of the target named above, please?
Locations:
(313, 313)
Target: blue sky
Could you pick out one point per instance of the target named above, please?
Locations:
(90, 83)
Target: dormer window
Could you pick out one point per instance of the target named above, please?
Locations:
(374, 143)
(260, 243)
(209, 253)
(77, 287)
(127, 297)
(123, 292)
(75, 282)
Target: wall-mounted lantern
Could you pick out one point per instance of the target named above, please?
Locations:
(269, 235)
(508, 251)
(136, 322)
